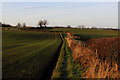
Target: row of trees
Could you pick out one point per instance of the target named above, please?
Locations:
(81, 26)
(4, 25)
(21, 25)
(41, 23)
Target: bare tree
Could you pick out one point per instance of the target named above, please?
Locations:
(93, 27)
(40, 23)
(81, 26)
(68, 26)
(18, 25)
(45, 22)
(24, 24)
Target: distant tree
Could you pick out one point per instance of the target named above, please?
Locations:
(40, 23)
(81, 26)
(45, 22)
(18, 25)
(68, 26)
(5, 25)
(93, 27)
(0, 24)
(24, 24)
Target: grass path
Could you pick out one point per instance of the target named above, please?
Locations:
(64, 67)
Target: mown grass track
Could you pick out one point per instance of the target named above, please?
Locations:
(28, 54)
(65, 65)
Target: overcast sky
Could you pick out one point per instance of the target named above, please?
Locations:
(99, 14)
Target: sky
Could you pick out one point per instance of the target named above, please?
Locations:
(98, 14)
(60, 0)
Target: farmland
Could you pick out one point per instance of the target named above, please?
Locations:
(88, 31)
(83, 61)
(28, 54)
(60, 40)
(85, 34)
(97, 58)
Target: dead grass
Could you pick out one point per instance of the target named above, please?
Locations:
(105, 46)
(96, 67)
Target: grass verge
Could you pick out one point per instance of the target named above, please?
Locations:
(65, 68)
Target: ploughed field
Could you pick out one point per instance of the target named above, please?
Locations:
(27, 54)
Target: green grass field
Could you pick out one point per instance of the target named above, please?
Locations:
(85, 34)
(88, 31)
(27, 54)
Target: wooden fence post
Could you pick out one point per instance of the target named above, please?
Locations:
(96, 51)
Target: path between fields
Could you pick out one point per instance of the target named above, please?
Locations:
(64, 67)
(71, 51)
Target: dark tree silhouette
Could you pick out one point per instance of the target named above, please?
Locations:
(0, 24)
(18, 25)
(40, 23)
(45, 22)
(68, 26)
(24, 24)
(81, 26)
(93, 27)
(4, 25)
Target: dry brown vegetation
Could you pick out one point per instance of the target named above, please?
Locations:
(89, 58)
(105, 46)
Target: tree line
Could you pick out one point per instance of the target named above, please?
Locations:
(41, 23)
